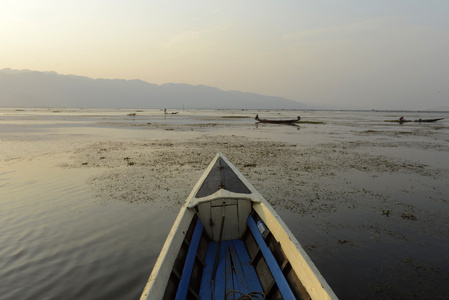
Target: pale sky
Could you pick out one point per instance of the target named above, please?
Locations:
(362, 54)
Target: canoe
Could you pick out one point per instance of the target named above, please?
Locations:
(417, 121)
(228, 242)
(427, 120)
(276, 121)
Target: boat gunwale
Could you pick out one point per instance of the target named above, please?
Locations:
(159, 277)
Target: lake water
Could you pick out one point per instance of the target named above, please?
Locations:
(87, 197)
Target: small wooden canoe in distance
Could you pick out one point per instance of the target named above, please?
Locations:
(417, 121)
(275, 121)
(226, 242)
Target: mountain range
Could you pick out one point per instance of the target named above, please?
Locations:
(25, 88)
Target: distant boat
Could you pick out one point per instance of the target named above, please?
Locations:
(172, 113)
(277, 121)
(228, 243)
(402, 120)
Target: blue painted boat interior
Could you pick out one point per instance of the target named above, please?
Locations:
(235, 275)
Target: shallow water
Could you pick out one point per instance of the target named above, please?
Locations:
(60, 243)
(367, 199)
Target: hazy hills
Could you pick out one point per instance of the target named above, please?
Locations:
(27, 88)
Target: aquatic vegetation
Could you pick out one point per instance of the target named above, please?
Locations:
(235, 117)
(342, 242)
(408, 216)
(310, 122)
(249, 165)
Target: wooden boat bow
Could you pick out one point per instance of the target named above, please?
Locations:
(216, 249)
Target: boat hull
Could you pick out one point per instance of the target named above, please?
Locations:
(228, 218)
(274, 121)
(415, 121)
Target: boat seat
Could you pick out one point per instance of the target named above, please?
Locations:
(275, 270)
(183, 286)
(235, 271)
(235, 276)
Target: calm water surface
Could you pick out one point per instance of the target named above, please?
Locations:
(60, 242)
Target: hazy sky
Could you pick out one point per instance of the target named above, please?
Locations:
(371, 54)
